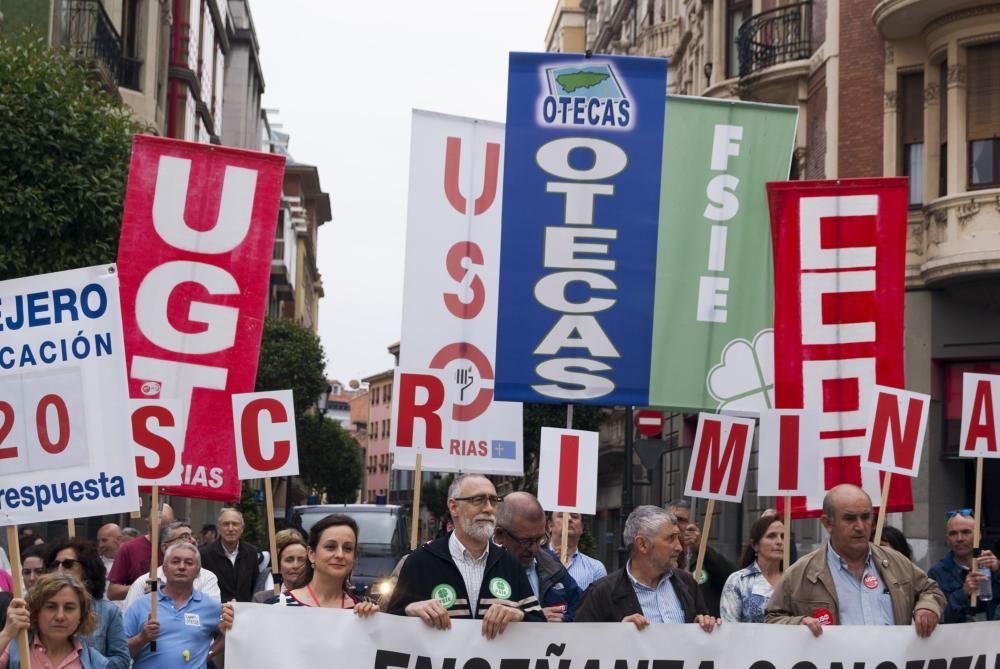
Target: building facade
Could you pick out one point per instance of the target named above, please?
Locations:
(378, 462)
(884, 88)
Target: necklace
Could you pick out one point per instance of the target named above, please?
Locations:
(312, 594)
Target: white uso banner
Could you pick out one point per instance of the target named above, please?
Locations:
(788, 457)
(567, 470)
(393, 642)
(443, 403)
(266, 442)
(158, 440)
(65, 446)
(980, 416)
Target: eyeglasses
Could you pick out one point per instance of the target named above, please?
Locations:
(959, 512)
(66, 564)
(480, 500)
(528, 542)
(28, 571)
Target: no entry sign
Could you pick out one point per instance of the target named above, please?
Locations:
(649, 422)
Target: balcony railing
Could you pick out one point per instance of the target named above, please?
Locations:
(774, 37)
(91, 37)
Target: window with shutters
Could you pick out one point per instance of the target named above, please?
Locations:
(911, 105)
(943, 132)
(983, 105)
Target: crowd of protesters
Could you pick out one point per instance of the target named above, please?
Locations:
(87, 604)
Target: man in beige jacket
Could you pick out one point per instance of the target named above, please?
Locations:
(850, 581)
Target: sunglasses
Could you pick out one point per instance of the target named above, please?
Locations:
(66, 564)
(959, 512)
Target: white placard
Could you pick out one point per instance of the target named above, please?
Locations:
(567, 470)
(65, 450)
(720, 457)
(980, 416)
(896, 426)
(451, 281)
(266, 443)
(158, 440)
(788, 453)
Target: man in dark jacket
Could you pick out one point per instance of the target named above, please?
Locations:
(957, 576)
(463, 575)
(715, 569)
(236, 563)
(521, 530)
(650, 589)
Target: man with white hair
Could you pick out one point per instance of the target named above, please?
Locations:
(235, 562)
(187, 620)
(650, 589)
(464, 575)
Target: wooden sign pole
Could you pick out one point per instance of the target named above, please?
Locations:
(154, 558)
(71, 527)
(706, 525)
(977, 507)
(269, 500)
(882, 509)
(18, 583)
(788, 533)
(417, 485)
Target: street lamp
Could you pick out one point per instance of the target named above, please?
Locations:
(322, 402)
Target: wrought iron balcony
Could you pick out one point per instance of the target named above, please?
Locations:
(774, 37)
(91, 38)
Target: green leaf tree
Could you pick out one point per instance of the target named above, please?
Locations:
(291, 357)
(64, 162)
(329, 459)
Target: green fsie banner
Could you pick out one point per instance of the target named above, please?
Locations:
(713, 316)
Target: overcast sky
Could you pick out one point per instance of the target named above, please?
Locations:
(345, 76)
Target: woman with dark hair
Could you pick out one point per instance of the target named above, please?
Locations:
(292, 559)
(896, 540)
(58, 613)
(32, 566)
(79, 558)
(332, 547)
(745, 595)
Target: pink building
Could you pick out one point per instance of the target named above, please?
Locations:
(378, 462)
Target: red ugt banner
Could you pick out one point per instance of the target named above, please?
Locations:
(839, 259)
(194, 262)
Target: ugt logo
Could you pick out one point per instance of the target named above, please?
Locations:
(591, 96)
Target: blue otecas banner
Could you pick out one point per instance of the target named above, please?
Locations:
(584, 145)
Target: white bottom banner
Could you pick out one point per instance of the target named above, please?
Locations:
(278, 636)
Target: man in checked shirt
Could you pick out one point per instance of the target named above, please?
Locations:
(465, 575)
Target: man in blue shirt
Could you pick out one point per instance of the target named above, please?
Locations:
(957, 576)
(583, 568)
(186, 622)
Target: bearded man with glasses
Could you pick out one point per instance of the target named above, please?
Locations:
(463, 575)
(521, 530)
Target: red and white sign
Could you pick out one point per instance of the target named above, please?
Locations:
(567, 470)
(64, 445)
(980, 416)
(896, 430)
(788, 453)
(266, 443)
(720, 457)
(444, 405)
(195, 258)
(158, 441)
(839, 250)
(648, 422)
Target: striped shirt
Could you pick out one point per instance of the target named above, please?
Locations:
(862, 601)
(472, 569)
(585, 569)
(659, 604)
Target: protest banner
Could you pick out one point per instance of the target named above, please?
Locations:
(584, 145)
(195, 257)
(718, 470)
(266, 447)
(894, 438)
(444, 415)
(839, 250)
(567, 471)
(399, 642)
(157, 440)
(980, 434)
(788, 461)
(712, 336)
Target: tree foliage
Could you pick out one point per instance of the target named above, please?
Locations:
(63, 165)
(434, 495)
(291, 357)
(329, 459)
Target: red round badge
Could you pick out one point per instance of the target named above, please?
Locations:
(871, 582)
(823, 616)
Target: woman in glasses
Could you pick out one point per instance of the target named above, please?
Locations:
(79, 558)
(59, 611)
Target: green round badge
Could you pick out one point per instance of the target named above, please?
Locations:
(703, 577)
(445, 594)
(500, 588)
